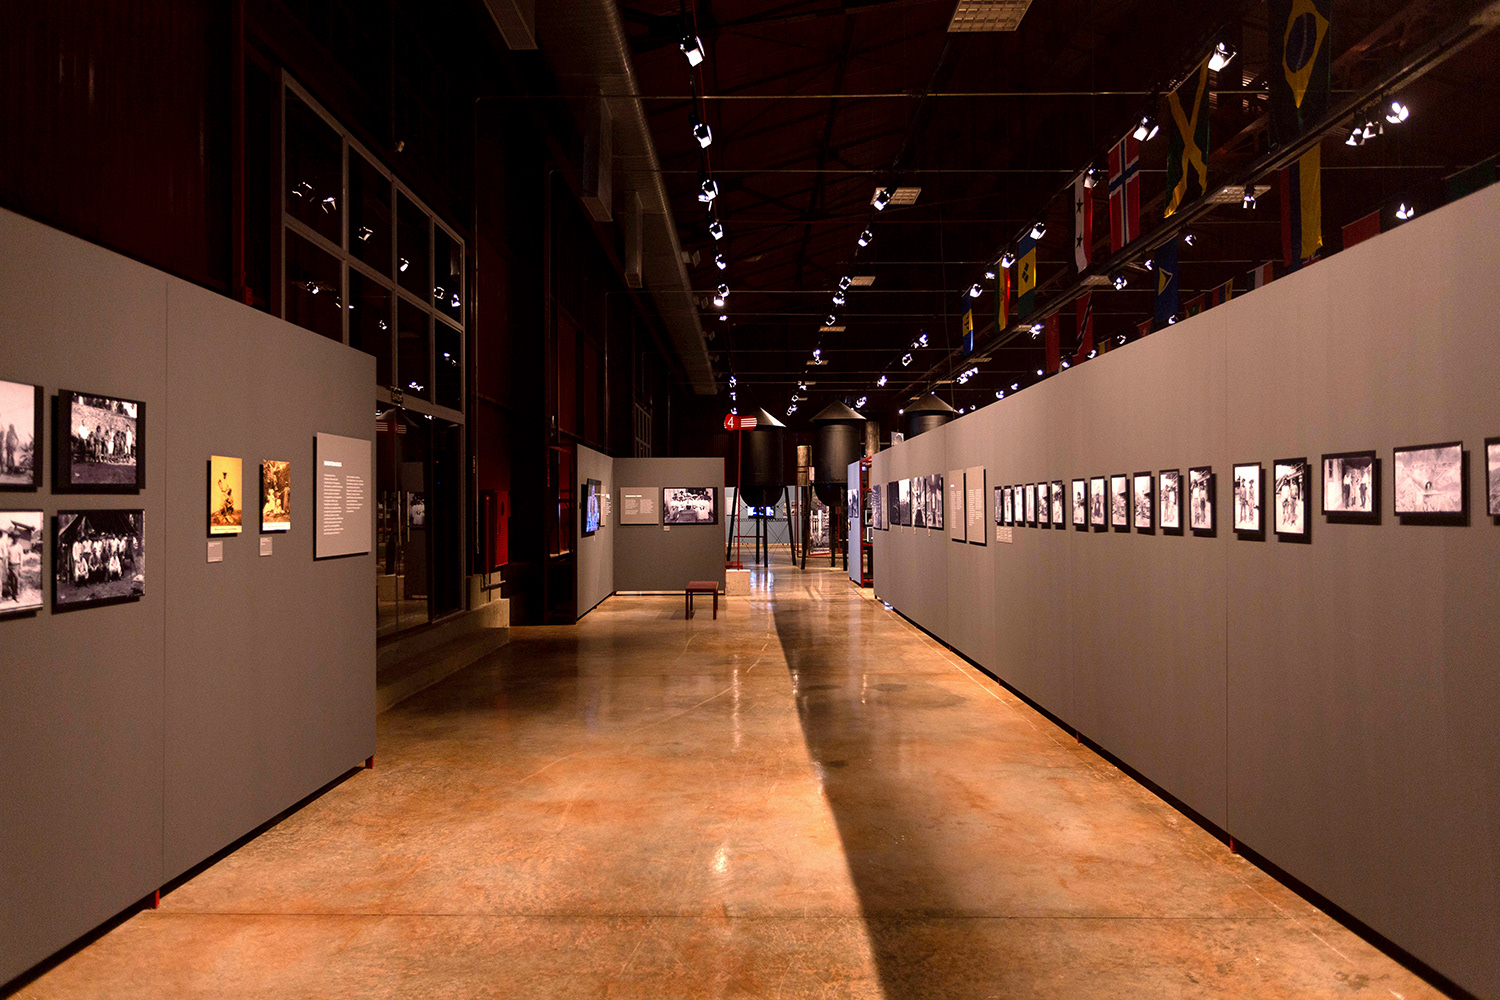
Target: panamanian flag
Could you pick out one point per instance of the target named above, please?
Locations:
(1124, 192)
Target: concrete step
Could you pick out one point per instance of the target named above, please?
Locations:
(399, 680)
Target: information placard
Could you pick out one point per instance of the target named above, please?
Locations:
(975, 486)
(345, 518)
(953, 512)
(639, 505)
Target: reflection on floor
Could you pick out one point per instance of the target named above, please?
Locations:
(804, 798)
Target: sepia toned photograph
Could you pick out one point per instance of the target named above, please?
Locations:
(1143, 502)
(225, 502)
(1098, 502)
(1201, 500)
(98, 557)
(20, 562)
(688, 505)
(1169, 500)
(1043, 505)
(1009, 500)
(99, 444)
(1057, 504)
(1289, 499)
(1080, 504)
(1430, 482)
(275, 496)
(1249, 511)
(1351, 487)
(20, 425)
(1492, 475)
(1119, 502)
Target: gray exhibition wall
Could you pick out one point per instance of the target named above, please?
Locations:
(140, 738)
(596, 553)
(1330, 705)
(650, 557)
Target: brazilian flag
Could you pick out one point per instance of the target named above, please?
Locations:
(1187, 154)
(1025, 276)
(1299, 66)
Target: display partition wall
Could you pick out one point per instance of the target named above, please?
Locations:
(365, 262)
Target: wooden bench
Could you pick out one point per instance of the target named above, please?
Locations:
(702, 587)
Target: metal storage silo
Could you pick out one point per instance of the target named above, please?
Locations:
(764, 474)
(836, 444)
(927, 413)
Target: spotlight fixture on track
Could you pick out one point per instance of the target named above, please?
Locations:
(716, 229)
(975, 290)
(1007, 259)
(1119, 280)
(832, 319)
(1406, 211)
(1223, 55)
(718, 302)
(1249, 199)
(702, 133)
(866, 238)
(708, 191)
(733, 381)
(1147, 129)
(692, 48)
(1090, 178)
(1189, 239)
(1038, 230)
(989, 275)
(1065, 363)
(724, 290)
(882, 198)
(880, 382)
(1397, 113)
(905, 360)
(999, 393)
(1015, 386)
(721, 262)
(859, 402)
(838, 298)
(1036, 330)
(1039, 371)
(843, 282)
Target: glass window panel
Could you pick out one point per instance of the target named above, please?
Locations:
(448, 380)
(370, 322)
(369, 214)
(411, 350)
(314, 171)
(314, 296)
(448, 282)
(412, 248)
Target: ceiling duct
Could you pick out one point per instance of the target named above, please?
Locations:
(584, 44)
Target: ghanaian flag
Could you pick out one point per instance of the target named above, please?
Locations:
(1025, 276)
(1299, 66)
(1187, 154)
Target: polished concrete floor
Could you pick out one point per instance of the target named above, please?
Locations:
(804, 798)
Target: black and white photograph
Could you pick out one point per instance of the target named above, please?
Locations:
(98, 557)
(20, 427)
(99, 448)
(1080, 504)
(892, 505)
(1492, 475)
(20, 562)
(919, 502)
(1000, 504)
(1351, 487)
(877, 507)
(1057, 504)
(1010, 505)
(1144, 502)
(1430, 482)
(1098, 503)
(1169, 500)
(1119, 502)
(1290, 500)
(688, 505)
(934, 487)
(1249, 501)
(1201, 500)
(903, 503)
(1043, 504)
(1031, 504)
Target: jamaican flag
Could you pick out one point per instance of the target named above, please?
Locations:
(1298, 71)
(1187, 155)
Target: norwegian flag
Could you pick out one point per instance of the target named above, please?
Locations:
(1124, 192)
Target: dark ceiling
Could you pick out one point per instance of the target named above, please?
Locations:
(815, 105)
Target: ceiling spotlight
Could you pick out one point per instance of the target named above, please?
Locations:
(1249, 201)
(1171, 320)
(720, 262)
(1406, 211)
(702, 133)
(716, 229)
(1007, 259)
(733, 381)
(989, 275)
(843, 282)
(1119, 280)
(734, 411)
(832, 319)
(734, 395)
(402, 265)
(922, 340)
(708, 191)
(791, 409)
(859, 402)
(1189, 239)
(1356, 137)
(905, 360)
(1398, 113)
(817, 353)
(724, 290)
(1039, 230)
(1065, 363)
(723, 319)
(801, 386)
(1036, 330)
(880, 381)
(1223, 55)
(972, 408)
(692, 48)
(1147, 129)
(718, 302)
(1094, 353)
(882, 198)
(452, 301)
(1122, 338)
(866, 238)
(1038, 371)
(838, 298)
(999, 393)
(1150, 264)
(1014, 386)
(975, 290)
(1090, 178)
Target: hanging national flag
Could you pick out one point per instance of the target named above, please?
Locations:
(1083, 222)
(1480, 175)
(1050, 337)
(1142, 329)
(1085, 327)
(968, 331)
(1193, 308)
(1025, 276)
(1002, 298)
(1221, 294)
(1187, 154)
(1362, 229)
(1302, 209)
(1166, 282)
(1299, 71)
(1262, 276)
(1124, 192)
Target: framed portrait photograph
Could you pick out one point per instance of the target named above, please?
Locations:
(1202, 496)
(226, 500)
(1043, 505)
(1008, 497)
(1119, 502)
(100, 444)
(904, 502)
(1351, 487)
(1430, 483)
(1143, 502)
(999, 504)
(98, 557)
(1291, 505)
(1492, 475)
(1169, 500)
(1098, 503)
(919, 502)
(1031, 504)
(689, 505)
(593, 509)
(20, 562)
(20, 436)
(1249, 507)
(275, 496)
(877, 506)
(1059, 519)
(1080, 504)
(934, 484)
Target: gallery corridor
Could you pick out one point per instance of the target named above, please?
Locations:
(805, 798)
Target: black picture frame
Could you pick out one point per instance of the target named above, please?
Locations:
(1400, 476)
(1492, 477)
(1031, 505)
(1079, 495)
(1175, 476)
(1008, 504)
(591, 497)
(713, 503)
(63, 565)
(1119, 488)
(1203, 474)
(1304, 502)
(1059, 506)
(1336, 516)
(1099, 503)
(1000, 505)
(64, 466)
(21, 530)
(1258, 532)
(1149, 528)
(1043, 504)
(21, 485)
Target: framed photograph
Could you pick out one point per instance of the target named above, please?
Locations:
(1351, 487)
(1058, 519)
(1144, 503)
(1430, 483)
(1043, 505)
(919, 502)
(1008, 498)
(20, 562)
(98, 557)
(935, 500)
(1098, 504)
(1492, 475)
(1080, 505)
(100, 444)
(877, 506)
(999, 504)
(1201, 500)
(275, 496)
(904, 503)
(1169, 500)
(689, 505)
(20, 433)
(1031, 504)
(226, 500)
(1119, 502)
(593, 509)
(1290, 515)
(1249, 507)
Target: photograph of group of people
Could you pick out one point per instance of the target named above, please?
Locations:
(103, 446)
(99, 556)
